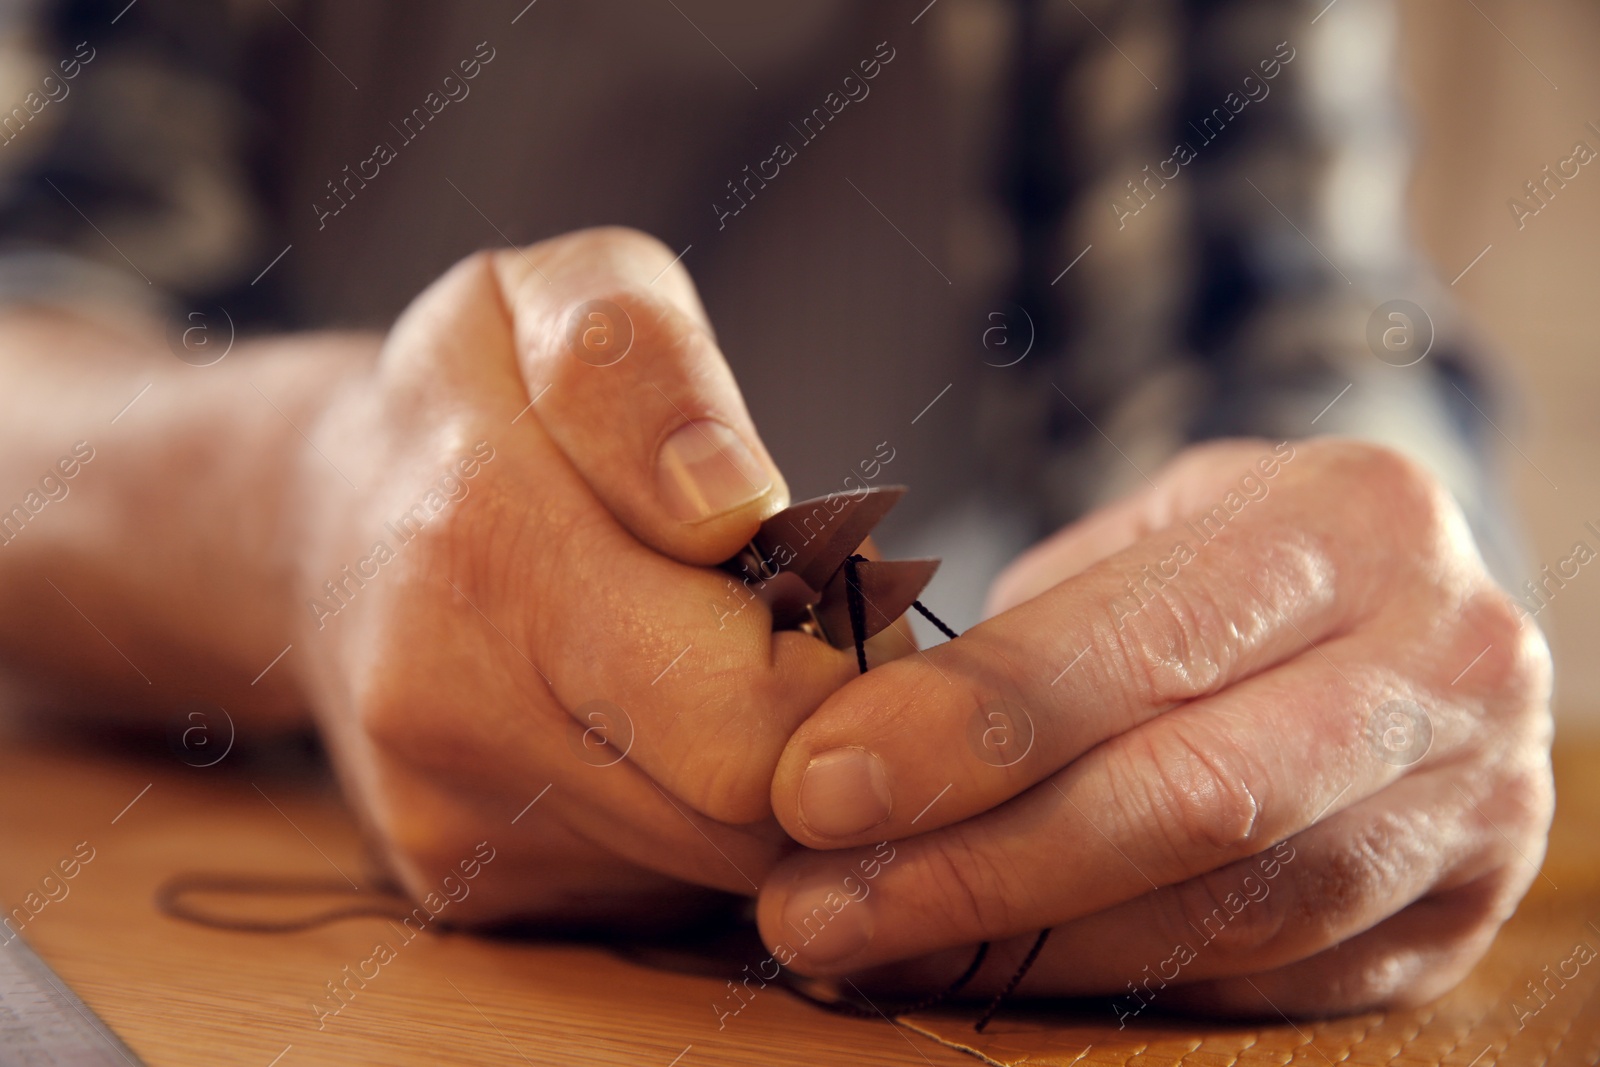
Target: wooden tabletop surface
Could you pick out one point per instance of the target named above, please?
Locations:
(181, 993)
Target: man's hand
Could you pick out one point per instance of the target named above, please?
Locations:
(1264, 736)
(549, 450)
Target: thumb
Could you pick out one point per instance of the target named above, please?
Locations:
(625, 376)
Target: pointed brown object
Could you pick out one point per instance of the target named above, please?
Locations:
(795, 564)
(887, 589)
(821, 532)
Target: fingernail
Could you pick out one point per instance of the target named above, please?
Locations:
(844, 792)
(827, 925)
(704, 470)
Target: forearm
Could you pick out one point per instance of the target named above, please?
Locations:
(148, 512)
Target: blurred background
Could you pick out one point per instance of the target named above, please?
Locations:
(1501, 89)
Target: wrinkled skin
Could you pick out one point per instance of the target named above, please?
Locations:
(1208, 740)
(1216, 790)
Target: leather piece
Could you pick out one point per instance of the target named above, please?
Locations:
(823, 531)
(795, 564)
(888, 588)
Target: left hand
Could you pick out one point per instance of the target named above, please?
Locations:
(1263, 737)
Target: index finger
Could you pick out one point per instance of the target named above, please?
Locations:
(928, 741)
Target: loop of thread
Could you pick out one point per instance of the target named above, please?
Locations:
(170, 900)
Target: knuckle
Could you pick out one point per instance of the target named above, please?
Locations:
(620, 251)
(1492, 617)
(966, 890)
(649, 327)
(602, 313)
(385, 719)
(1532, 795)
(448, 322)
(594, 248)
(1196, 797)
(425, 847)
(1178, 646)
(1235, 913)
(620, 241)
(662, 328)
(723, 784)
(416, 833)
(400, 729)
(1336, 890)
(1464, 922)
(1388, 472)
(383, 704)
(478, 264)
(1522, 802)
(1516, 665)
(1416, 507)
(418, 843)
(1377, 982)
(1221, 450)
(473, 273)
(720, 754)
(1267, 910)
(1476, 910)
(1426, 512)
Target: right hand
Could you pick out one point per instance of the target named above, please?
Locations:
(454, 684)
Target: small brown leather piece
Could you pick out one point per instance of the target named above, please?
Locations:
(887, 589)
(822, 531)
(795, 564)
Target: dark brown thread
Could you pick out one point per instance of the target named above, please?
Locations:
(858, 624)
(1016, 978)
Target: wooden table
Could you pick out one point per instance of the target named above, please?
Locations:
(179, 993)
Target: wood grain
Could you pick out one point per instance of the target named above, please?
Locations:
(185, 994)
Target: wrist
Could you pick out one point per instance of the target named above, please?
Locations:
(171, 541)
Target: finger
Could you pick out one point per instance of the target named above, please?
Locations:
(624, 374)
(1163, 622)
(1204, 785)
(619, 836)
(1174, 618)
(1409, 959)
(539, 582)
(1422, 836)
(1200, 474)
(1413, 958)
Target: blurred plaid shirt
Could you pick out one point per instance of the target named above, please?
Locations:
(1030, 152)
